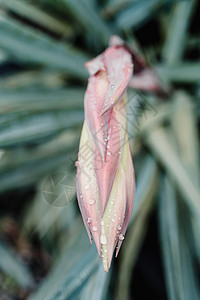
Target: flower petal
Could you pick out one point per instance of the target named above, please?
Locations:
(119, 207)
(127, 165)
(87, 189)
(106, 172)
(93, 102)
(119, 67)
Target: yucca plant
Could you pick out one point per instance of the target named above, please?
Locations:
(44, 249)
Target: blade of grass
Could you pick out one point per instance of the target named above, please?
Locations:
(33, 78)
(70, 273)
(27, 129)
(160, 145)
(38, 16)
(138, 13)
(176, 32)
(88, 17)
(144, 201)
(11, 264)
(23, 168)
(114, 6)
(31, 46)
(184, 116)
(97, 287)
(186, 72)
(41, 100)
(170, 242)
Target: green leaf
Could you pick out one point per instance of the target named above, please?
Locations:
(179, 272)
(71, 272)
(114, 6)
(38, 16)
(27, 167)
(138, 13)
(144, 201)
(21, 128)
(176, 32)
(31, 46)
(11, 265)
(97, 287)
(88, 17)
(170, 243)
(186, 72)
(160, 145)
(41, 100)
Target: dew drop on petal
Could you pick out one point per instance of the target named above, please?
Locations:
(103, 239)
(113, 220)
(94, 228)
(91, 201)
(89, 220)
(121, 237)
(87, 186)
(119, 227)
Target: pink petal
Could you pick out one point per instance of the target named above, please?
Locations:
(120, 205)
(95, 65)
(130, 192)
(147, 80)
(144, 77)
(106, 172)
(87, 189)
(94, 99)
(119, 67)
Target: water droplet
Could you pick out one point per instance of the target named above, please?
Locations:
(89, 220)
(76, 163)
(113, 220)
(109, 153)
(91, 201)
(119, 227)
(102, 222)
(94, 228)
(87, 186)
(81, 196)
(103, 239)
(121, 237)
(112, 86)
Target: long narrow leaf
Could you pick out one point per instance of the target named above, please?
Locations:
(30, 46)
(12, 265)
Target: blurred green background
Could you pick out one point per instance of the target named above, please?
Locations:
(45, 253)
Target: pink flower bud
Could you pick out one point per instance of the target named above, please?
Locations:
(105, 174)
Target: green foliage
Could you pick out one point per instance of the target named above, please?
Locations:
(44, 45)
